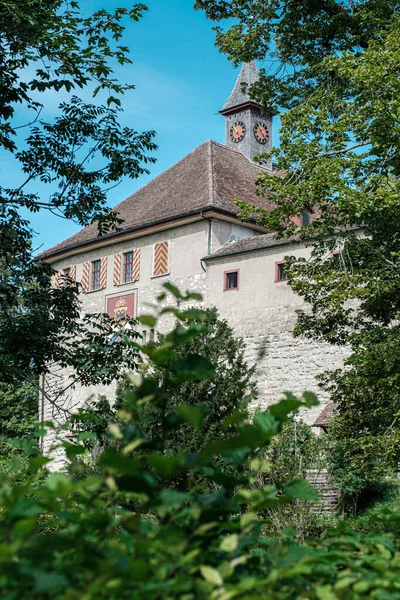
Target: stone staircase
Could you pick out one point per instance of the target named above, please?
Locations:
(329, 494)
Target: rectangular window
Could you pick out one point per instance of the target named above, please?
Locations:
(280, 274)
(231, 280)
(64, 279)
(96, 265)
(128, 267)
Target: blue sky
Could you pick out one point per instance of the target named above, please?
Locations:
(181, 83)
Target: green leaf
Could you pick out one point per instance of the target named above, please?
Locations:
(191, 414)
(167, 465)
(172, 289)
(192, 368)
(283, 408)
(310, 399)
(302, 489)
(119, 463)
(230, 543)
(37, 462)
(211, 575)
(72, 450)
(148, 320)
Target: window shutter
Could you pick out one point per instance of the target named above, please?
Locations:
(160, 265)
(57, 277)
(103, 273)
(85, 277)
(117, 269)
(136, 264)
(72, 272)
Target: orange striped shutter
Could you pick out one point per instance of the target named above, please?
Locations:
(57, 277)
(160, 265)
(72, 272)
(103, 273)
(85, 277)
(136, 264)
(117, 269)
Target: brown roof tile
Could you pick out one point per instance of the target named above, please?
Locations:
(209, 177)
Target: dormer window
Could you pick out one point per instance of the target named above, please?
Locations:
(305, 218)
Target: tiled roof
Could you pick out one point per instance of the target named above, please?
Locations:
(210, 177)
(326, 413)
(256, 242)
(248, 75)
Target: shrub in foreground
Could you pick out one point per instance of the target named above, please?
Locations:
(125, 534)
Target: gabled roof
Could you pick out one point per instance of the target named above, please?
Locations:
(248, 75)
(257, 242)
(210, 177)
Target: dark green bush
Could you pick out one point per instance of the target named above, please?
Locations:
(125, 534)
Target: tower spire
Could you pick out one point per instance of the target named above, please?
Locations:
(248, 75)
(248, 129)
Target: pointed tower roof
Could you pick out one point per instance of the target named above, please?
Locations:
(248, 75)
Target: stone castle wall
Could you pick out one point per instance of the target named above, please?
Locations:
(262, 311)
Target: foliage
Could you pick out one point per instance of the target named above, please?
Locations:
(19, 420)
(337, 83)
(294, 451)
(58, 49)
(222, 398)
(125, 534)
(288, 456)
(375, 514)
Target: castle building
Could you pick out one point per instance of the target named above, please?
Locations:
(183, 227)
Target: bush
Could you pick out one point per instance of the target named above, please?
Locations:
(125, 534)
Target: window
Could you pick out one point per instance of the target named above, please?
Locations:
(65, 275)
(128, 267)
(280, 274)
(96, 264)
(231, 280)
(305, 218)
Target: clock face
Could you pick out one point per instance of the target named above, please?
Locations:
(261, 133)
(237, 131)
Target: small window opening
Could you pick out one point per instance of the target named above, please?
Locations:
(280, 272)
(231, 280)
(152, 335)
(96, 274)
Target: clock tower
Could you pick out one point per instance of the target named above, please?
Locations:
(247, 128)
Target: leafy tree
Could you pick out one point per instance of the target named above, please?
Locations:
(18, 414)
(335, 76)
(222, 398)
(55, 47)
(126, 534)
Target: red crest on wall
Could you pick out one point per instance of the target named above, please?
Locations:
(121, 307)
